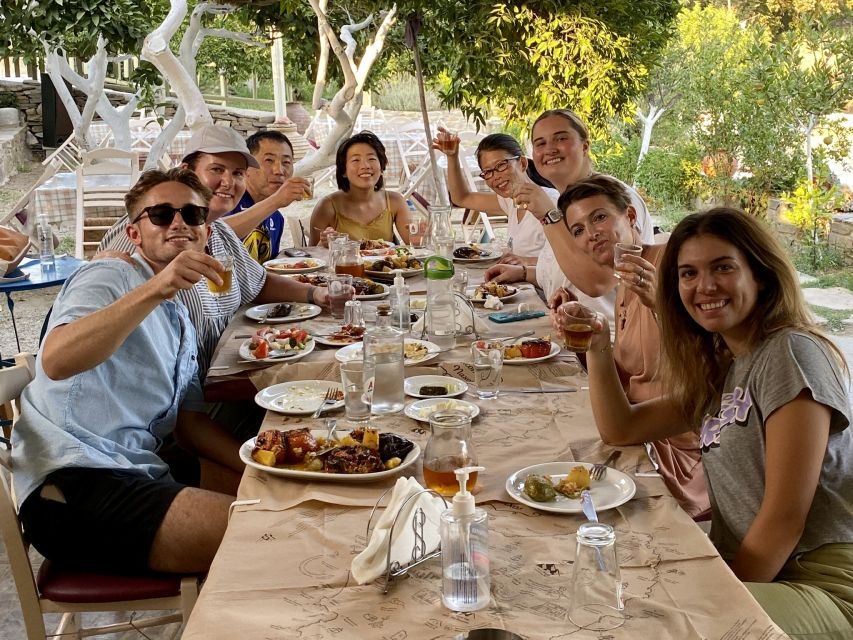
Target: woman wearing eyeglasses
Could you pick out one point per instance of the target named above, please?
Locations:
(503, 166)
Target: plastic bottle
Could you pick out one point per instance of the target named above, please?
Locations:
(45, 234)
(441, 303)
(464, 531)
(400, 317)
(383, 345)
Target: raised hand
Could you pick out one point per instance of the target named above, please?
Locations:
(640, 276)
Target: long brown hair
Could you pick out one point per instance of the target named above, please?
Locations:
(696, 360)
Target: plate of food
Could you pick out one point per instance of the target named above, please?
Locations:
(294, 265)
(316, 279)
(389, 266)
(530, 350)
(474, 253)
(367, 289)
(556, 487)
(299, 397)
(377, 248)
(362, 455)
(347, 334)
(423, 409)
(277, 344)
(479, 293)
(416, 351)
(434, 387)
(283, 312)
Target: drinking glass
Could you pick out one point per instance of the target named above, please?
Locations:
(578, 329)
(448, 141)
(459, 282)
(488, 360)
(357, 378)
(353, 313)
(596, 580)
(444, 246)
(227, 261)
(340, 290)
(335, 242)
(309, 191)
(418, 228)
(622, 249)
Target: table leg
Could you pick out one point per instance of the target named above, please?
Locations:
(11, 305)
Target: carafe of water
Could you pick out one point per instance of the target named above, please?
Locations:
(450, 447)
(441, 303)
(384, 346)
(440, 229)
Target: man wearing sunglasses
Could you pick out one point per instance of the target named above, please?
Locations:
(220, 158)
(117, 374)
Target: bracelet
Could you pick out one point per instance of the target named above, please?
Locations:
(524, 272)
(311, 294)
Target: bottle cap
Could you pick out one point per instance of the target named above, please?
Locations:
(463, 501)
(384, 309)
(438, 268)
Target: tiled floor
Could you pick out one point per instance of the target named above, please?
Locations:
(12, 623)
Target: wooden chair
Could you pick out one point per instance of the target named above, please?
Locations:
(71, 592)
(120, 170)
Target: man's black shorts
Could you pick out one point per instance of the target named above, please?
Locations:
(107, 521)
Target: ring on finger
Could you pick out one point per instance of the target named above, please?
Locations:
(640, 280)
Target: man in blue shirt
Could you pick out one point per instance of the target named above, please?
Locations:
(273, 187)
(117, 373)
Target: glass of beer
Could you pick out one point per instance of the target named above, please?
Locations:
(309, 190)
(578, 328)
(227, 262)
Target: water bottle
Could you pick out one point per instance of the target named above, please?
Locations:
(400, 316)
(383, 345)
(441, 303)
(45, 234)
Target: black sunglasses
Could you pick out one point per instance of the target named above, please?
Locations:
(163, 214)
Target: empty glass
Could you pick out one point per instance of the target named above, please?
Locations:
(357, 378)
(596, 580)
(459, 282)
(622, 249)
(336, 242)
(488, 360)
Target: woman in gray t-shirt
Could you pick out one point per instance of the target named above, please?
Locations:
(746, 365)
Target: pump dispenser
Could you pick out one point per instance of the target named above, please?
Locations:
(400, 304)
(465, 579)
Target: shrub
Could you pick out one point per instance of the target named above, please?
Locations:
(400, 93)
(8, 99)
(616, 156)
(670, 176)
(810, 210)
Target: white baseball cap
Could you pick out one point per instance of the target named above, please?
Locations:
(215, 139)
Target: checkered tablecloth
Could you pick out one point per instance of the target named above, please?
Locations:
(58, 198)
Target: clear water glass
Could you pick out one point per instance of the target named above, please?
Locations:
(340, 291)
(357, 378)
(596, 581)
(488, 363)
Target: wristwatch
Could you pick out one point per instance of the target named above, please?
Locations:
(554, 215)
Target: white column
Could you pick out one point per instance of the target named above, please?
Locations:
(278, 77)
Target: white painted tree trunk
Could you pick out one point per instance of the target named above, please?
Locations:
(322, 63)
(808, 149)
(649, 120)
(347, 102)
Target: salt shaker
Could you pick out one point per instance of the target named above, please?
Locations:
(596, 581)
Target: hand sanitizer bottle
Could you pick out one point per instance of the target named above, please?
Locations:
(400, 304)
(464, 550)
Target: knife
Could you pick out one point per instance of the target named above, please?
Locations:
(589, 511)
(538, 390)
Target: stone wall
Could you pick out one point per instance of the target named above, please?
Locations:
(840, 229)
(13, 151)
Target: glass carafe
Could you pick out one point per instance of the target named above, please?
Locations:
(440, 230)
(383, 345)
(450, 447)
(348, 259)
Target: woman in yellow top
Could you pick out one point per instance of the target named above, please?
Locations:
(360, 206)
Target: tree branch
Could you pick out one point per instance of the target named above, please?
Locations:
(322, 63)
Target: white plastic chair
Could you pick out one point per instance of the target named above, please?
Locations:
(113, 165)
(164, 592)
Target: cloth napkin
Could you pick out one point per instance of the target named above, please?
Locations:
(371, 563)
(463, 321)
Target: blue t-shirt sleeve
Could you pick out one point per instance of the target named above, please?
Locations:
(89, 289)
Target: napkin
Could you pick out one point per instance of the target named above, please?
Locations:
(463, 321)
(371, 563)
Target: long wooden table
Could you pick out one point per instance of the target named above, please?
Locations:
(283, 568)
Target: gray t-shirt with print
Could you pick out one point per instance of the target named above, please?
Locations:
(733, 440)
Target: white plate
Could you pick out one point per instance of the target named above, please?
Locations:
(469, 293)
(335, 343)
(7, 280)
(300, 311)
(616, 488)
(422, 409)
(555, 349)
(297, 398)
(283, 265)
(246, 456)
(354, 352)
(246, 353)
(388, 248)
(455, 387)
(375, 296)
(390, 275)
(482, 259)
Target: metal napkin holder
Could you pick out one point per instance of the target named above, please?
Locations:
(464, 330)
(419, 553)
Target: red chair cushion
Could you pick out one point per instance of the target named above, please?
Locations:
(68, 585)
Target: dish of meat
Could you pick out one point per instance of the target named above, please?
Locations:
(347, 334)
(355, 460)
(294, 265)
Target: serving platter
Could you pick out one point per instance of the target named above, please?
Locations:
(288, 265)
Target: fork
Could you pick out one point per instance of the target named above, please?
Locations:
(331, 392)
(600, 469)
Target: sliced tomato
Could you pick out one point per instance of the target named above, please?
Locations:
(262, 350)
